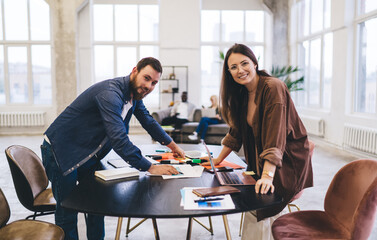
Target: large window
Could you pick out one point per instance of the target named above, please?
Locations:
(313, 41)
(366, 73)
(123, 34)
(220, 29)
(25, 52)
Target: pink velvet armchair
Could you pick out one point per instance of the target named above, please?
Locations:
(350, 208)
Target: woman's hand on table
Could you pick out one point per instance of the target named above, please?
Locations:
(216, 161)
(264, 184)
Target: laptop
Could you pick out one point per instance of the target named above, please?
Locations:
(235, 178)
(209, 112)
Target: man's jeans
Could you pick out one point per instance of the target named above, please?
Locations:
(61, 188)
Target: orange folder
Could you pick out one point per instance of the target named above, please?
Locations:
(225, 163)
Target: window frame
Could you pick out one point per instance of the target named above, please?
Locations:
(223, 45)
(302, 98)
(115, 44)
(28, 44)
(358, 19)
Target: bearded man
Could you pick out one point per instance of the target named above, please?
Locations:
(93, 124)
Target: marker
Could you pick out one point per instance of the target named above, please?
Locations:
(197, 160)
(172, 161)
(208, 199)
(154, 157)
(162, 150)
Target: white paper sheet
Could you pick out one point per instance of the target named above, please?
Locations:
(189, 203)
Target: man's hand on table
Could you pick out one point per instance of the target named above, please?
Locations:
(178, 152)
(162, 170)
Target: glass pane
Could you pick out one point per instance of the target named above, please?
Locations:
(39, 20)
(366, 86)
(103, 62)
(15, 15)
(211, 72)
(210, 27)
(149, 19)
(126, 23)
(152, 100)
(17, 64)
(41, 70)
(1, 22)
(327, 69)
(2, 87)
(303, 18)
(317, 16)
(259, 53)
(327, 13)
(126, 60)
(367, 6)
(315, 71)
(232, 26)
(149, 51)
(103, 22)
(254, 26)
(303, 64)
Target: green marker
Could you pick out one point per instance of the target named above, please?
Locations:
(196, 160)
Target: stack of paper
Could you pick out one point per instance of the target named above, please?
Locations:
(191, 202)
(117, 173)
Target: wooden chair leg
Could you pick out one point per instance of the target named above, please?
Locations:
(293, 205)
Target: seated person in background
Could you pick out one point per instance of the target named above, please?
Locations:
(180, 113)
(205, 121)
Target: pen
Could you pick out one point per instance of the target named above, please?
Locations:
(208, 199)
(172, 161)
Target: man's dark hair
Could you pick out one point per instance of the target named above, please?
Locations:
(153, 62)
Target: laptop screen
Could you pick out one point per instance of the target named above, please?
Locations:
(209, 156)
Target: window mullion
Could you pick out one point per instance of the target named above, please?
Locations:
(6, 76)
(29, 75)
(322, 73)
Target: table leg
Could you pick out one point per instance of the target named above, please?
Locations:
(189, 229)
(226, 226)
(119, 228)
(156, 234)
(242, 218)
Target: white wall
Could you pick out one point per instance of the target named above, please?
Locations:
(180, 40)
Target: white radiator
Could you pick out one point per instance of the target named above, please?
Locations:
(360, 138)
(314, 125)
(22, 119)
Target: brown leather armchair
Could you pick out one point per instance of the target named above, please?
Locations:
(30, 181)
(25, 229)
(349, 209)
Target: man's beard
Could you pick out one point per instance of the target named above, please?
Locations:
(134, 88)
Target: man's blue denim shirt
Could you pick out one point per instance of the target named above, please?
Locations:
(92, 125)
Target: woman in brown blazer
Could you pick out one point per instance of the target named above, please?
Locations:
(263, 118)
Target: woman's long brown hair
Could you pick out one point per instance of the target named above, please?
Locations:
(234, 96)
